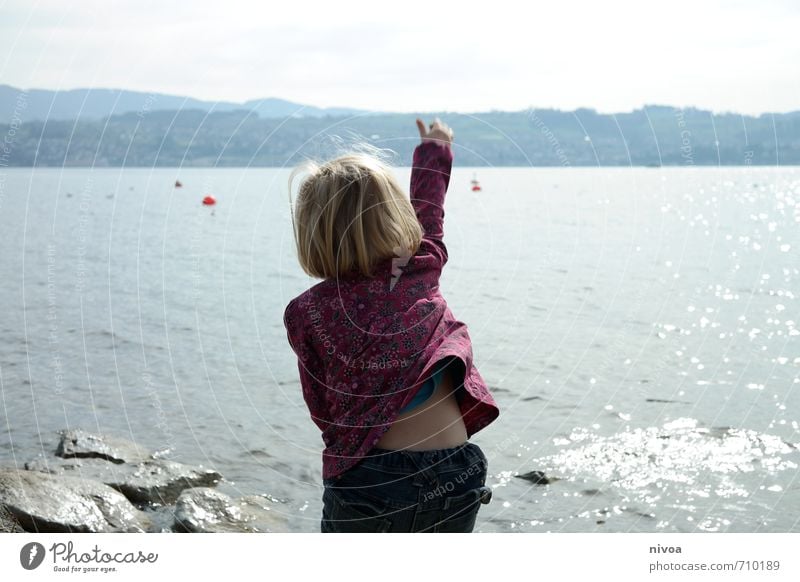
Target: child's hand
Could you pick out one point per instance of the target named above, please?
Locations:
(436, 132)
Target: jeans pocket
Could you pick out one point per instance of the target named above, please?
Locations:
(349, 513)
(460, 511)
(482, 460)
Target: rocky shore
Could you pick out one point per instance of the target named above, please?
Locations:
(98, 483)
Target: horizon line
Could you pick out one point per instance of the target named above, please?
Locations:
(414, 112)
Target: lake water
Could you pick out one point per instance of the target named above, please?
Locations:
(639, 328)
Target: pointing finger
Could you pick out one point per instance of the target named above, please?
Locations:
(421, 127)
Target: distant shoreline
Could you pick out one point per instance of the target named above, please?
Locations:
(654, 136)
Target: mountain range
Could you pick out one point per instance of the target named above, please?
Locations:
(44, 104)
(147, 130)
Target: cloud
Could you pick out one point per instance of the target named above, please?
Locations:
(612, 56)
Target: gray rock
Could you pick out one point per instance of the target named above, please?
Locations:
(8, 523)
(60, 504)
(83, 444)
(204, 510)
(152, 481)
(537, 478)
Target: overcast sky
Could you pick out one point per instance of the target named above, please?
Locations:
(414, 55)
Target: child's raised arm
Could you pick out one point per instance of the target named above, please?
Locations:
(430, 177)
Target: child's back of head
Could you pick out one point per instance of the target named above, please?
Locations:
(351, 214)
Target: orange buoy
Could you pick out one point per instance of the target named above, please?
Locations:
(209, 200)
(178, 184)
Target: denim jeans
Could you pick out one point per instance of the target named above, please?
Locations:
(408, 491)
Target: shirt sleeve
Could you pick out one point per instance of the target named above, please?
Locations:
(430, 177)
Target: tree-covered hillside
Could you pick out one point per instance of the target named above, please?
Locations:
(655, 135)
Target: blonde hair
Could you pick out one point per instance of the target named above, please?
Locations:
(350, 214)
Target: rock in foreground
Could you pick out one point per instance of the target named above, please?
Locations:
(155, 482)
(204, 510)
(99, 483)
(8, 523)
(46, 503)
(78, 443)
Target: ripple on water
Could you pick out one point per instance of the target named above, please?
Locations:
(683, 471)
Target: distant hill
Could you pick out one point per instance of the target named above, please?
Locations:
(655, 135)
(85, 104)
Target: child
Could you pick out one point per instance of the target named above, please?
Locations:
(386, 370)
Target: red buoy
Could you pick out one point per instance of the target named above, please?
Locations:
(209, 200)
(476, 187)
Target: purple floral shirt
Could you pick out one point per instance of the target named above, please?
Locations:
(366, 346)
